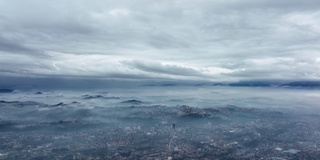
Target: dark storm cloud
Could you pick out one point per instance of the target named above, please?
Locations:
(162, 69)
(10, 46)
(170, 39)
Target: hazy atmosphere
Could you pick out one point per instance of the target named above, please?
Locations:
(159, 79)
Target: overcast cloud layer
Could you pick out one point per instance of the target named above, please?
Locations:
(170, 39)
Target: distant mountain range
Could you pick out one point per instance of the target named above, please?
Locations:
(6, 90)
(8, 85)
(287, 84)
(300, 84)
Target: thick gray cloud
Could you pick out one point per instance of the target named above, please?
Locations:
(163, 69)
(11, 46)
(171, 39)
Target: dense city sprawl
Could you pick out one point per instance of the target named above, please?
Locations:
(158, 132)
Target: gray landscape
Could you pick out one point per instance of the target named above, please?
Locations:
(159, 80)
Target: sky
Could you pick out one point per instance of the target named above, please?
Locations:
(197, 40)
